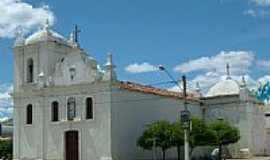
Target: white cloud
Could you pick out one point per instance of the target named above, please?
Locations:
(7, 110)
(3, 119)
(256, 13)
(5, 98)
(175, 89)
(213, 69)
(250, 12)
(264, 79)
(240, 61)
(261, 2)
(6, 102)
(141, 68)
(263, 63)
(18, 15)
(250, 82)
(209, 79)
(205, 80)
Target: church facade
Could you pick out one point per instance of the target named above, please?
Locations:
(67, 108)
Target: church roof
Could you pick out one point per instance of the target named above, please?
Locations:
(131, 86)
(224, 87)
(45, 35)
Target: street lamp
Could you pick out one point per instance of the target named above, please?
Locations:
(185, 114)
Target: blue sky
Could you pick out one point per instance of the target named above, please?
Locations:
(172, 33)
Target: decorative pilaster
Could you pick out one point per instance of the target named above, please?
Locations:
(110, 74)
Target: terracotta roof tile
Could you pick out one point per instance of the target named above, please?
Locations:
(131, 86)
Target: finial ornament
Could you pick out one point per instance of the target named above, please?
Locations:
(109, 60)
(243, 81)
(19, 37)
(228, 71)
(47, 25)
(110, 72)
(73, 37)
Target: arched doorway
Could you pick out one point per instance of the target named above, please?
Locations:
(72, 145)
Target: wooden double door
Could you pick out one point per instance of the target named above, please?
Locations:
(72, 145)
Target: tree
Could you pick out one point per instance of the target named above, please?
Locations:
(146, 140)
(177, 137)
(159, 132)
(201, 134)
(6, 149)
(226, 134)
(164, 135)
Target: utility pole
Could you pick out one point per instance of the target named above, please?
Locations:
(185, 118)
(185, 114)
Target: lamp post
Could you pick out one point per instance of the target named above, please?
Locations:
(185, 114)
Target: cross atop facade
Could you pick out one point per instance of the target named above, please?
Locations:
(46, 25)
(76, 33)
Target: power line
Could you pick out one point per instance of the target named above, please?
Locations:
(160, 83)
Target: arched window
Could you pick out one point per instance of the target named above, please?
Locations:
(30, 70)
(89, 108)
(55, 111)
(71, 108)
(72, 72)
(29, 114)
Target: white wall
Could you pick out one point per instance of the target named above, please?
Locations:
(247, 115)
(45, 139)
(132, 111)
(27, 141)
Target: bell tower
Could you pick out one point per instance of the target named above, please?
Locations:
(36, 54)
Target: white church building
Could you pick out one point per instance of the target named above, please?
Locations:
(67, 108)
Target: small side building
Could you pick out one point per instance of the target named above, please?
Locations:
(233, 101)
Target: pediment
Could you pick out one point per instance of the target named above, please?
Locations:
(76, 68)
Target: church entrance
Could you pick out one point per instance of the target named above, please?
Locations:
(72, 145)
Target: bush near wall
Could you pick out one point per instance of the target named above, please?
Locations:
(6, 149)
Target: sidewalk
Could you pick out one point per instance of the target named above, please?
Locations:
(254, 158)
